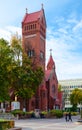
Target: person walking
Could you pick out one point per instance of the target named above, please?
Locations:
(69, 115)
(66, 117)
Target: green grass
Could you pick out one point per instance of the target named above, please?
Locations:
(2, 120)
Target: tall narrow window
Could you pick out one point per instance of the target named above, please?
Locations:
(30, 53)
(41, 55)
(53, 88)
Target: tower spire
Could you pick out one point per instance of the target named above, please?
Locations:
(51, 63)
(42, 5)
(50, 52)
(26, 10)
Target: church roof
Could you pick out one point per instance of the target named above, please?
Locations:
(32, 17)
(47, 74)
(51, 63)
(50, 68)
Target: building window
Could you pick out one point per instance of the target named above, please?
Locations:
(41, 55)
(31, 26)
(30, 53)
(25, 28)
(35, 26)
(53, 88)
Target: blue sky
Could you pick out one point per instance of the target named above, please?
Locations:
(64, 30)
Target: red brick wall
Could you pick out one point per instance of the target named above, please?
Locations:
(35, 38)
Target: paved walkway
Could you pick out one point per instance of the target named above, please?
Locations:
(48, 124)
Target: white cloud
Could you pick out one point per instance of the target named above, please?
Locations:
(4, 34)
(68, 64)
(13, 30)
(78, 26)
(8, 31)
(67, 58)
(66, 42)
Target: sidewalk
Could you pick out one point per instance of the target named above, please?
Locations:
(77, 128)
(48, 124)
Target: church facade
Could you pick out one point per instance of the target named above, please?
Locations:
(34, 44)
(47, 96)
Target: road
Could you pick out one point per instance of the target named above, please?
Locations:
(49, 124)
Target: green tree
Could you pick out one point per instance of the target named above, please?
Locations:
(59, 87)
(76, 97)
(25, 79)
(17, 71)
(16, 48)
(5, 63)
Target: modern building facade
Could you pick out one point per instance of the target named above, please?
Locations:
(67, 86)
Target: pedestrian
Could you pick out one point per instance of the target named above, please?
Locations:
(66, 117)
(69, 115)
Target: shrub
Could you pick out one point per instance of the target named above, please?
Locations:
(20, 114)
(56, 113)
(72, 113)
(4, 124)
(44, 112)
(15, 112)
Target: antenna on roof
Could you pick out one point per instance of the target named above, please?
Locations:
(26, 10)
(50, 52)
(42, 5)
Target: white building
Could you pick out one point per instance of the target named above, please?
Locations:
(67, 86)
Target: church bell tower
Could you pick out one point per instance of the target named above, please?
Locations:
(34, 36)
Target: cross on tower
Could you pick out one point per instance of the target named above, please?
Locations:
(26, 10)
(42, 5)
(50, 51)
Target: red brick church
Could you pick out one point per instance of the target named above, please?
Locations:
(34, 44)
(47, 96)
